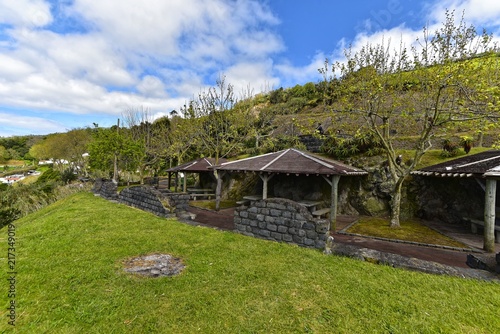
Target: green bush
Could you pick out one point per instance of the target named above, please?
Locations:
(7, 212)
(68, 176)
(50, 175)
(360, 143)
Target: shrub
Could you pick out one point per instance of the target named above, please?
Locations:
(450, 149)
(68, 176)
(466, 143)
(344, 147)
(50, 175)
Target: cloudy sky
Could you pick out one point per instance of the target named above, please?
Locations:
(71, 63)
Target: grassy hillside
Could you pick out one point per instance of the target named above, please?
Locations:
(70, 280)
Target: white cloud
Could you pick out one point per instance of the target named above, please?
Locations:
(89, 57)
(13, 68)
(254, 76)
(26, 13)
(151, 86)
(292, 75)
(484, 12)
(105, 66)
(19, 125)
(480, 13)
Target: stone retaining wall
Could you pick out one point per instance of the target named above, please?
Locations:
(152, 200)
(179, 202)
(106, 189)
(283, 220)
(147, 198)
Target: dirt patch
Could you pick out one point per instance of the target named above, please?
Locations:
(154, 265)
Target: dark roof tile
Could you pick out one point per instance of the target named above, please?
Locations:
(291, 161)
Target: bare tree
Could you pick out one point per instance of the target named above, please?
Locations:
(424, 89)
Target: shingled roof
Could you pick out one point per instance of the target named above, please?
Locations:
(195, 166)
(290, 161)
(475, 165)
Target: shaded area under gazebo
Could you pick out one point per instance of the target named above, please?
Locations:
(291, 162)
(481, 166)
(199, 166)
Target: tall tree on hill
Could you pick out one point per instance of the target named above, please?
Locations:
(220, 128)
(425, 88)
(148, 135)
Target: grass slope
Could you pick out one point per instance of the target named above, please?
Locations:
(70, 280)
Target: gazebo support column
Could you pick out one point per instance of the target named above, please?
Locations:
(218, 175)
(489, 215)
(334, 183)
(184, 189)
(265, 178)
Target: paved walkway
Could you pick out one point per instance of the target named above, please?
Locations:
(457, 258)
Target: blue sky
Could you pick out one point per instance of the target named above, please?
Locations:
(71, 63)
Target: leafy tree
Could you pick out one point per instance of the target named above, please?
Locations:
(40, 151)
(438, 84)
(68, 147)
(111, 150)
(4, 154)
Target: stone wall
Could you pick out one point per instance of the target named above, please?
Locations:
(106, 189)
(152, 200)
(147, 198)
(312, 143)
(179, 202)
(448, 199)
(282, 220)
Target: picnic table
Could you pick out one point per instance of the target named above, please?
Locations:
(311, 205)
(249, 198)
(200, 192)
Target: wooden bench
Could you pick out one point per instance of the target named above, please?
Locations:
(474, 224)
(243, 202)
(321, 212)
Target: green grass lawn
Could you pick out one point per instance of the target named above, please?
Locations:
(70, 280)
(410, 230)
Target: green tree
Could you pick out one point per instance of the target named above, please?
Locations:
(65, 148)
(435, 85)
(4, 154)
(111, 150)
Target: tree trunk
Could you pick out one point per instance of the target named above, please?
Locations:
(115, 169)
(396, 203)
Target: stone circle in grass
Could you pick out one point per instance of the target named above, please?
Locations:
(154, 265)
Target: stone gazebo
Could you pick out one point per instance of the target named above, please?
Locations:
(292, 162)
(485, 169)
